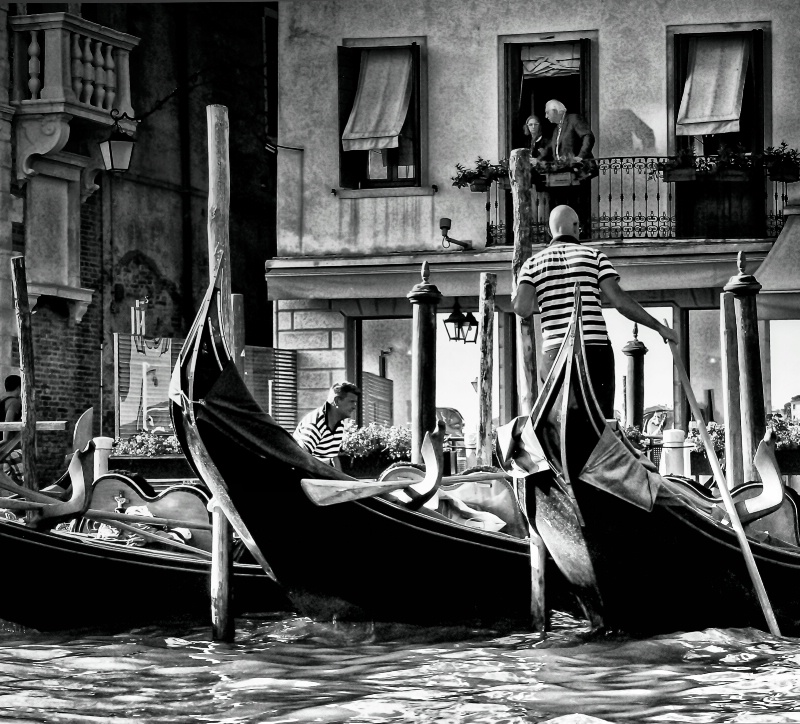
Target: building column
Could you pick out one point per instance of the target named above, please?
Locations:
(634, 402)
(8, 322)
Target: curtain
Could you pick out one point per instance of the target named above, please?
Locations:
(551, 60)
(712, 96)
(382, 99)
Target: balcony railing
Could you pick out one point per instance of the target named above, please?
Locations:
(63, 63)
(632, 197)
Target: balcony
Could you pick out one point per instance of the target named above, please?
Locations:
(65, 64)
(639, 197)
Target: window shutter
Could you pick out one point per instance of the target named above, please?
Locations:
(352, 164)
(586, 80)
(414, 110)
(513, 53)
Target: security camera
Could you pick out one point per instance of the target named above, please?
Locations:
(444, 225)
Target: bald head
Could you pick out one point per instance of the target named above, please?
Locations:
(564, 221)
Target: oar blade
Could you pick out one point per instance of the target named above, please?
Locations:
(331, 492)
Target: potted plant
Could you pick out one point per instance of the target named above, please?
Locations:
(681, 167)
(482, 175)
(782, 163)
(150, 454)
(732, 164)
(369, 450)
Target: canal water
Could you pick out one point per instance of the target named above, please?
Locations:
(291, 669)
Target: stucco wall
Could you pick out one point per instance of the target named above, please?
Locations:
(463, 83)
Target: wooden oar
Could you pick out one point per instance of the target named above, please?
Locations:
(730, 508)
(330, 492)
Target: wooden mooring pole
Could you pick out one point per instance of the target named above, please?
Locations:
(744, 288)
(424, 298)
(519, 166)
(635, 351)
(222, 622)
(731, 389)
(483, 448)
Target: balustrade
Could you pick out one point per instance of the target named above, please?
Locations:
(633, 197)
(65, 63)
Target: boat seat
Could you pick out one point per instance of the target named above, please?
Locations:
(492, 496)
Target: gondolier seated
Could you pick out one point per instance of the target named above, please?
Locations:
(547, 284)
(321, 431)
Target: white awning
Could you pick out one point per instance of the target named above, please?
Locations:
(550, 60)
(779, 277)
(712, 96)
(381, 104)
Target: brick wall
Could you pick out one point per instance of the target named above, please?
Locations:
(317, 333)
(67, 355)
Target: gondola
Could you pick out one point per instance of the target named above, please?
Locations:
(647, 553)
(59, 575)
(376, 558)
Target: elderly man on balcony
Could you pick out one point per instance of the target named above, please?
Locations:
(571, 143)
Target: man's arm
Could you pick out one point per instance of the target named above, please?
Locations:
(627, 306)
(524, 301)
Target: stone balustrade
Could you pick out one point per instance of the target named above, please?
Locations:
(63, 63)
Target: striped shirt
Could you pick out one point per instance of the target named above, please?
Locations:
(553, 273)
(317, 438)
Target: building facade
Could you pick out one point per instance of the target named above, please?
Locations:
(380, 101)
(94, 243)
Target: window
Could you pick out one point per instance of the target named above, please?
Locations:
(718, 91)
(379, 116)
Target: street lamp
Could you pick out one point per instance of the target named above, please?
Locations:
(453, 324)
(469, 329)
(117, 149)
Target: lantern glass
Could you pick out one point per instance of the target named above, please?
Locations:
(117, 151)
(469, 329)
(453, 324)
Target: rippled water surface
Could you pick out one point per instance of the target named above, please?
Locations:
(291, 669)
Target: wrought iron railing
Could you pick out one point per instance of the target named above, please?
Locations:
(635, 197)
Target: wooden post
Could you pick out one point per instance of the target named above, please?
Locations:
(634, 391)
(483, 449)
(222, 623)
(744, 288)
(424, 298)
(519, 167)
(732, 391)
(26, 371)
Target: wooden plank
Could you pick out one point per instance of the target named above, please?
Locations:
(483, 450)
(27, 374)
(48, 426)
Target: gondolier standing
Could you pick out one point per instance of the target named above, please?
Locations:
(547, 284)
(321, 430)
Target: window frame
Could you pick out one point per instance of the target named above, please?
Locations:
(380, 187)
(715, 29)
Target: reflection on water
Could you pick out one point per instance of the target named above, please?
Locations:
(291, 669)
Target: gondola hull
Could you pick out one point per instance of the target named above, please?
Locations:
(672, 569)
(58, 581)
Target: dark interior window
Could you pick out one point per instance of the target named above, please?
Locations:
(379, 168)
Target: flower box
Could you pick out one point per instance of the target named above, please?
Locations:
(561, 178)
(153, 467)
(478, 186)
(787, 173)
(679, 174)
(370, 466)
(732, 175)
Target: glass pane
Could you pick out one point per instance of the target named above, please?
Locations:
(405, 172)
(377, 169)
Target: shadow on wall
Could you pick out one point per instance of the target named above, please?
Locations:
(625, 134)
